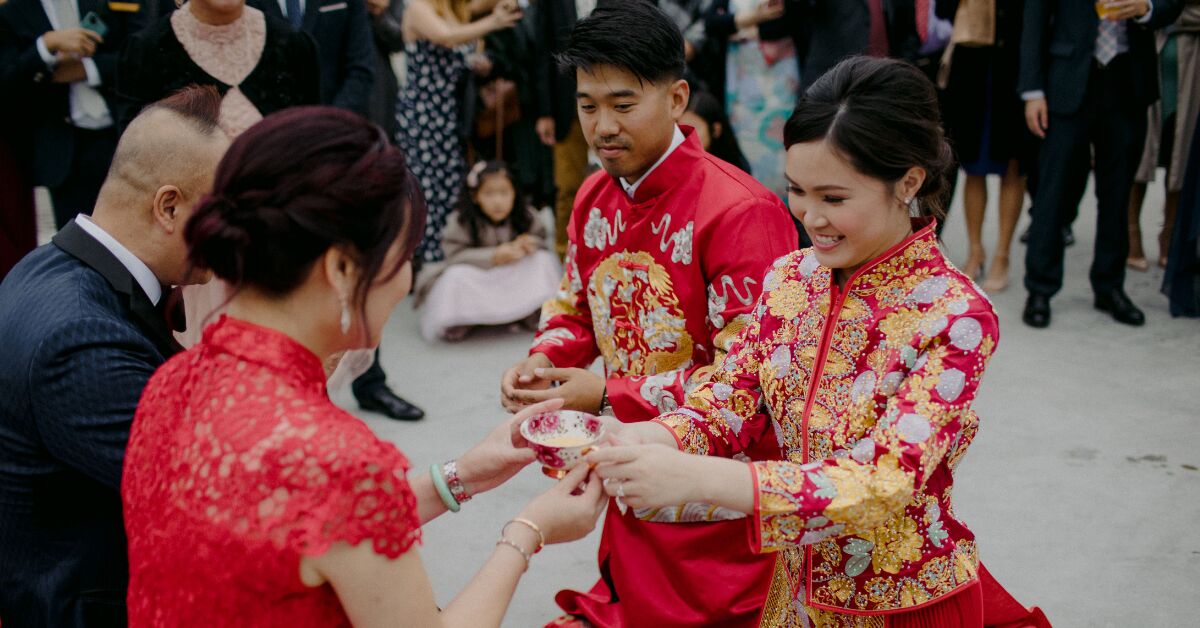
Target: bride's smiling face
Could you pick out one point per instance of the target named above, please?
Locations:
(850, 217)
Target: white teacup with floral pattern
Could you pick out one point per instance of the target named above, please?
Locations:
(561, 439)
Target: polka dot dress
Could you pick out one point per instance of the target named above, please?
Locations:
(428, 115)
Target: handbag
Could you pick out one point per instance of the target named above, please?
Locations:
(974, 26)
(501, 108)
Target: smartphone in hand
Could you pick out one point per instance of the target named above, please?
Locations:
(93, 23)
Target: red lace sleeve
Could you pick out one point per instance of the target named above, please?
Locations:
(361, 494)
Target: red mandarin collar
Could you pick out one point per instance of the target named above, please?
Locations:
(923, 240)
(274, 350)
(673, 170)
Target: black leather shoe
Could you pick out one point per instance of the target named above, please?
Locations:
(1037, 311)
(1116, 303)
(389, 404)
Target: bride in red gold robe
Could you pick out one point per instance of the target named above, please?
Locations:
(862, 357)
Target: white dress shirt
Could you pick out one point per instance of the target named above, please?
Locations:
(283, 7)
(136, 267)
(676, 140)
(88, 109)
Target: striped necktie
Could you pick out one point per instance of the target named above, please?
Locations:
(1107, 41)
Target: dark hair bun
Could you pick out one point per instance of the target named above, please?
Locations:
(298, 183)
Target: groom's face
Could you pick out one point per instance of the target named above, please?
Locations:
(629, 122)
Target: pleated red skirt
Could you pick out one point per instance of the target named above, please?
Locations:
(984, 603)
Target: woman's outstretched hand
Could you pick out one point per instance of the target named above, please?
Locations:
(569, 510)
(502, 454)
(656, 476)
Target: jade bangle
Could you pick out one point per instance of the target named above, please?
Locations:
(439, 483)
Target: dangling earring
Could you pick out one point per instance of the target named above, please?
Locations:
(345, 317)
(914, 209)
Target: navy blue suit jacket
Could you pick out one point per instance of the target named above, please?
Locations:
(80, 341)
(345, 47)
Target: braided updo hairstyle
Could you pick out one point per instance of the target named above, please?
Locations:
(298, 183)
(882, 116)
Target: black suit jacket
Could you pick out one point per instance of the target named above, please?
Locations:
(554, 91)
(342, 31)
(81, 340)
(836, 29)
(1059, 39)
(47, 104)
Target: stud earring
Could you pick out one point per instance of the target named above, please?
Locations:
(345, 318)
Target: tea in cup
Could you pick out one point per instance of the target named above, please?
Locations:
(561, 439)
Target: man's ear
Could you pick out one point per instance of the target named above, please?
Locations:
(680, 93)
(166, 209)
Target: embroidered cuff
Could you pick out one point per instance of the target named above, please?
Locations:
(685, 425)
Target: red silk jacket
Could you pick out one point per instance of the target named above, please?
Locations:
(868, 390)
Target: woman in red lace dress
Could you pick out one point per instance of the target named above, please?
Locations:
(249, 497)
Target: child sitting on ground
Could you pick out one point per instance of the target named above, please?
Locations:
(497, 268)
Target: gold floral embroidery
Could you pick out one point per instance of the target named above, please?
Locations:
(787, 301)
(899, 326)
(895, 543)
(912, 593)
(867, 495)
(694, 441)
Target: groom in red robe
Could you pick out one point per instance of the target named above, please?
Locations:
(667, 251)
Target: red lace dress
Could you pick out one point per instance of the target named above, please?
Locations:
(238, 465)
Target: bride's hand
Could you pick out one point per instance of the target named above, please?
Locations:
(502, 454)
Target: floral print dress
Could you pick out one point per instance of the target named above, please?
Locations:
(428, 113)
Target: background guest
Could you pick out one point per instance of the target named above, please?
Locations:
(60, 56)
(704, 113)
(836, 29)
(514, 55)
(437, 34)
(985, 119)
(1169, 129)
(343, 35)
(1181, 281)
(496, 269)
(387, 27)
(762, 79)
(557, 122)
(1086, 83)
(85, 322)
(18, 221)
(257, 62)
